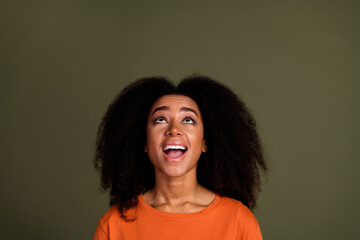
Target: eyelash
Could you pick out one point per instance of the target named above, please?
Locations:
(186, 118)
(156, 119)
(193, 121)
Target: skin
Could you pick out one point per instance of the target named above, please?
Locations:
(176, 119)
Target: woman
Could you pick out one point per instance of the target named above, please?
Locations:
(180, 162)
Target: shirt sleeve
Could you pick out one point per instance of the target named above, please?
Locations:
(259, 235)
(252, 232)
(100, 232)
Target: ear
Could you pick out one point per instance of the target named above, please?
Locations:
(204, 147)
(145, 149)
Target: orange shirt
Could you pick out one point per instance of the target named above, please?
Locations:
(225, 218)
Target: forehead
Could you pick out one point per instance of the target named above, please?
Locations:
(175, 101)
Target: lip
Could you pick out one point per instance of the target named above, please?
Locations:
(171, 159)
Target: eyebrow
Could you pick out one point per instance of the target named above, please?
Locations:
(183, 109)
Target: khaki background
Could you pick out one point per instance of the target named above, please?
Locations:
(295, 63)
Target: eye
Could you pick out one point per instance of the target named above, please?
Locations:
(160, 120)
(189, 120)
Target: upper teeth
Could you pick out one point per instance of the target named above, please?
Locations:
(174, 147)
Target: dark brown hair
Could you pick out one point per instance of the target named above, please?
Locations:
(231, 167)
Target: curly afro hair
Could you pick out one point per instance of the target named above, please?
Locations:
(231, 167)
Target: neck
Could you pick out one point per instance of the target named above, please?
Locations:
(175, 190)
(178, 194)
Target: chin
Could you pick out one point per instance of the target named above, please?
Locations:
(176, 171)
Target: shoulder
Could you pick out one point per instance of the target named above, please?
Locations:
(230, 204)
(243, 217)
(111, 215)
(102, 230)
(110, 218)
(111, 223)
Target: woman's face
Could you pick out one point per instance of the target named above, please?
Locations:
(175, 135)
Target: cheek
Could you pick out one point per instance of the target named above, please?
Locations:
(152, 141)
(151, 133)
(198, 138)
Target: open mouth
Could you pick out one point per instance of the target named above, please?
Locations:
(174, 151)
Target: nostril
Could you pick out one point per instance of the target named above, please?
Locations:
(173, 131)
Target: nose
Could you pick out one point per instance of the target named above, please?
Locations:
(173, 130)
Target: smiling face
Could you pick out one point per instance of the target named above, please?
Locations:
(174, 135)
